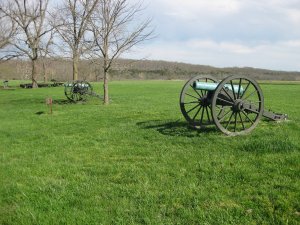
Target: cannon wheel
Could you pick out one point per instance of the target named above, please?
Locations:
(195, 104)
(78, 90)
(237, 112)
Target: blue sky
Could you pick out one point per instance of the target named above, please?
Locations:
(225, 33)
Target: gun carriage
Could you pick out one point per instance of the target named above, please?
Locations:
(78, 90)
(235, 105)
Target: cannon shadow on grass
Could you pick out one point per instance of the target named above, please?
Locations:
(63, 102)
(175, 128)
(57, 102)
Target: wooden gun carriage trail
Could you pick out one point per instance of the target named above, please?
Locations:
(235, 105)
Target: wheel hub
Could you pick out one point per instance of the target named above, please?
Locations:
(238, 105)
(204, 101)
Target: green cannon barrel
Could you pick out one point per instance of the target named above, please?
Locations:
(212, 87)
(80, 85)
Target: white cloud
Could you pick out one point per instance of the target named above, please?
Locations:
(280, 56)
(294, 15)
(194, 8)
(227, 32)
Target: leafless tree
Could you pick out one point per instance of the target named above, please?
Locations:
(71, 23)
(117, 26)
(7, 30)
(45, 53)
(30, 19)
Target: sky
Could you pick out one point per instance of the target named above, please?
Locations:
(224, 33)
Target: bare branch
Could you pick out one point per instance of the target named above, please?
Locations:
(29, 17)
(116, 28)
(72, 27)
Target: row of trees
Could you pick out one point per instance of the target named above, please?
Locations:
(100, 30)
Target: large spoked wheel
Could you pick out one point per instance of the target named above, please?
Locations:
(68, 90)
(237, 105)
(195, 104)
(78, 90)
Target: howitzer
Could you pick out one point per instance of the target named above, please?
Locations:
(235, 105)
(79, 90)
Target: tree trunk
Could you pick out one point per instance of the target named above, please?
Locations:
(105, 87)
(45, 72)
(34, 73)
(75, 66)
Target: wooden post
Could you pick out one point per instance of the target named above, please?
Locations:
(49, 103)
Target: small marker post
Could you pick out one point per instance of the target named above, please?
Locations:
(49, 102)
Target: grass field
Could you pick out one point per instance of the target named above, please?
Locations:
(137, 162)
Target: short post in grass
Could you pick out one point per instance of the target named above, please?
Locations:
(49, 102)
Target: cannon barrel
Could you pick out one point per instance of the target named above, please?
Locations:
(80, 85)
(212, 87)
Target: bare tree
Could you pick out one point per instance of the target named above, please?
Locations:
(45, 52)
(29, 17)
(117, 27)
(7, 30)
(72, 20)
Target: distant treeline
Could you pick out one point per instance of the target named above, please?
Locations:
(60, 69)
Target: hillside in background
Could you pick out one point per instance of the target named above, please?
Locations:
(61, 70)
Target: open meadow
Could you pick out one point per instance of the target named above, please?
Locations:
(136, 161)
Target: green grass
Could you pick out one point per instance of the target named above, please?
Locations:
(137, 162)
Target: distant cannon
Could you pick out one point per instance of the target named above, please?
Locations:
(79, 90)
(5, 84)
(235, 105)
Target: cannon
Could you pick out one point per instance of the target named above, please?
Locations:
(235, 105)
(78, 90)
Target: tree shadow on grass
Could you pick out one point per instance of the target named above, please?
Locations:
(176, 128)
(40, 113)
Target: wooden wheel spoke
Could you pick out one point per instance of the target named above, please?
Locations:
(207, 114)
(240, 83)
(194, 102)
(195, 91)
(255, 91)
(235, 119)
(245, 89)
(241, 121)
(219, 113)
(231, 103)
(223, 106)
(192, 108)
(191, 96)
(248, 117)
(232, 89)
(201, 119)
(227, 94)
(229, 121)
(220, 119)
(197, 113)
(253, 111)
(201, 92)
